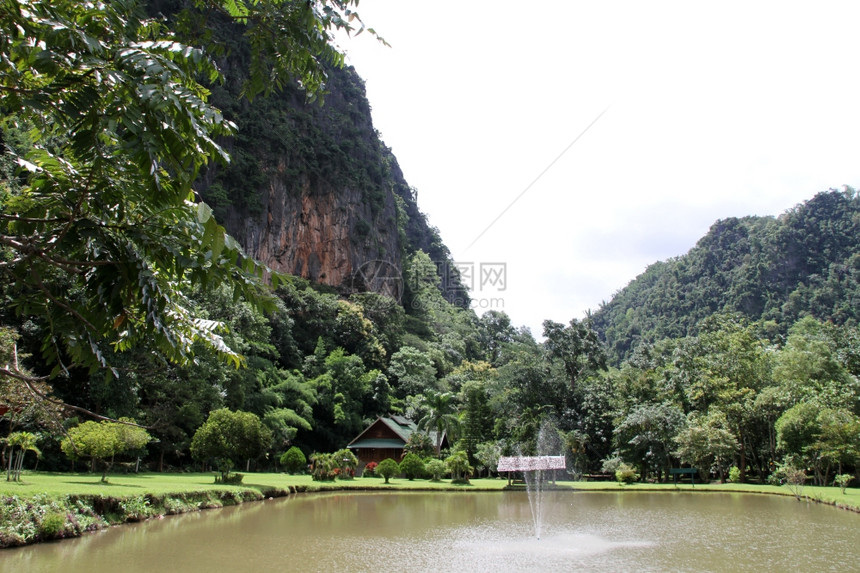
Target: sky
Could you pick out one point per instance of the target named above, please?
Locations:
(561, 147)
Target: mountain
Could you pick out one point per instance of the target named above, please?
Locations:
(773, 269)
(313, 191)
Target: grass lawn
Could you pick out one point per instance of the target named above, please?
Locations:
(130, 485)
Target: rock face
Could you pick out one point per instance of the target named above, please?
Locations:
(313, 192)
(330, 237)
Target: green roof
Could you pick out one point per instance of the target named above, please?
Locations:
(376, 443)
(402, 428)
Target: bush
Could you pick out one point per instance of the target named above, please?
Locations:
(735, 474)
(137, 508)
(53, 524)
(294, 461)
(324, 467)
(387, 468)
(370, 469)
(458, 464)
(842, 481)
(436, 469)
(412, 466)
(625, 474)
(234, 478)
(346, 462)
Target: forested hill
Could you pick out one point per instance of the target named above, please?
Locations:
(773, 269)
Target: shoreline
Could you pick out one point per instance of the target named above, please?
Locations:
(56, 513)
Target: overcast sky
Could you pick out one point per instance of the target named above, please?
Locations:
(709, 110)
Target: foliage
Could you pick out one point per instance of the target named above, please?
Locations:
(734, 474)
(488, 454)
(458, 464)
(294, 460)
(102, 441)
(412, 466)
(436, 468)
(804, 262)
(387, 469)
(842, 481)
(227, 437)
(625, 474)
(324, 467)
(440, 416)
(420, 444)
(101, 230)
(347, 463)
(795, 479)
(369, 469)
(23, 442)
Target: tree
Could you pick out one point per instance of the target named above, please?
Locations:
(645, 435)
(387, 468)
(488, 454)
(706, 443)
(294, 460)
(577, 346)
(227, 436)
(458, 464)
(413, 371)
(102, 441)
(419, 443)
(24, 442)
(412, 466)
(101, 231)
(436, 468)
(440, 416)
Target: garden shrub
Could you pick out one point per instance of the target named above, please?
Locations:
(53, 524)
(387, 468)
(412, 466)
(735, 474)
(294, 460)
(370, 469)
(625, 474)
(436, 469)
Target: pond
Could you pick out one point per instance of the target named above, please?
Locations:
(362, 531)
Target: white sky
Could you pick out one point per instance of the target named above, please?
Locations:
(716, 109)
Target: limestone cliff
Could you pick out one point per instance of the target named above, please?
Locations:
(312, 190)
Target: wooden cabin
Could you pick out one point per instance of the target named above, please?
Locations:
(385, 438)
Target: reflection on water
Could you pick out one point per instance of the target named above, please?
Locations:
(471, 532)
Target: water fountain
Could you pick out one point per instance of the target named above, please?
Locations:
(538, 469)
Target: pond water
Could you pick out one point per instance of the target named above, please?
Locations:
(468, 532)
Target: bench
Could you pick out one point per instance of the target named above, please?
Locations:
(692, 472)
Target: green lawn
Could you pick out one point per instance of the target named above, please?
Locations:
(130, 485)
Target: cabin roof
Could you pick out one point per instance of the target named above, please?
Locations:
(399, 429)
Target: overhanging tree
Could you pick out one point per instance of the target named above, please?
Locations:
(101, 232)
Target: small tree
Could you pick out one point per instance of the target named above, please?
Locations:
(294, 460)
(625, 474)
(227, 436)
(102, 441)
(412, 466)
(436, 469)
(795, 479)
(24, 442)
(488, 453)
(458, 464)
(842, 481)
(387, 468)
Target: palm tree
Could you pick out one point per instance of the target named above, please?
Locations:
(441, 415)
(25, 442)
